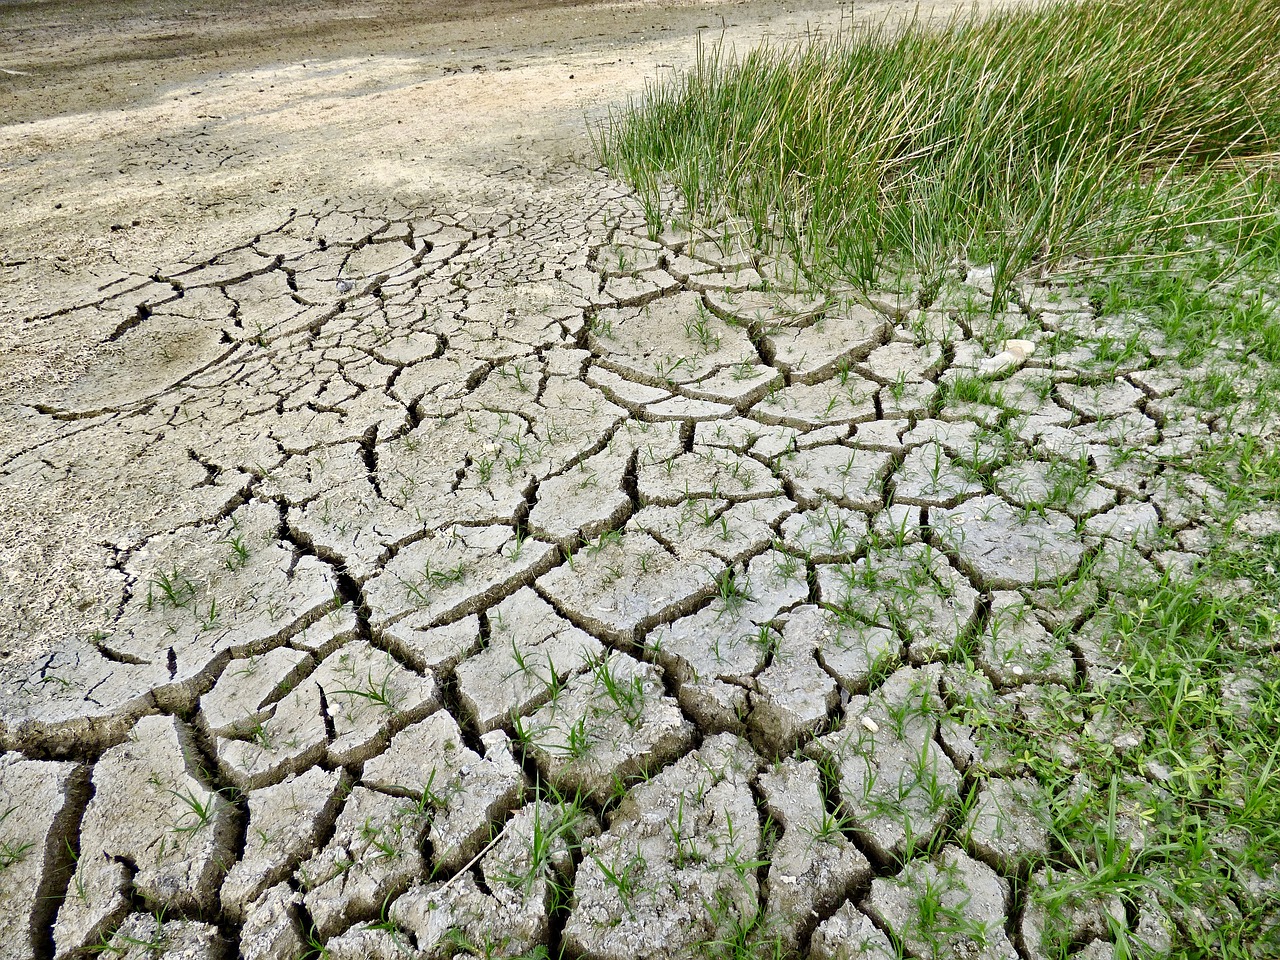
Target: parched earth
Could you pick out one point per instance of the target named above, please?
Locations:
(420, 580)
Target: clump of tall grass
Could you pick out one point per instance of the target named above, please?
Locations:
(1103, 128)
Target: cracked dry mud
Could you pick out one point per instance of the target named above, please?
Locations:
(560, 585)
(543, 508)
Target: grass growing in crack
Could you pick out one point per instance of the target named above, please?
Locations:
(313, 946)
(387, 925)
(742, 937)
(553, 835)
(1186, 810)
(1102, 127)
(731, 592)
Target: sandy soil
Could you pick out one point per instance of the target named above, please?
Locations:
(147, 132)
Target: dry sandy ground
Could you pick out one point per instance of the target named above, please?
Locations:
(140, 133)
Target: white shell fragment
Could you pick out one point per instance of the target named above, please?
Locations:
(1012, 357)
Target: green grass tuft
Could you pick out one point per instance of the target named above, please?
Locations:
(1101, 129)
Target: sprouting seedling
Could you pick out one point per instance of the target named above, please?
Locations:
(239, 551)
(898, 388)
(608, 538)
(199, 812)
(686, 848)
(699, 329)
(766, 638)
(627, 695)
(379, 692)
(431, 578)
(578, 739)
(625, 878)
(731, 592)
(667, 367)
(258, 734)
(556, 681)
(428, 799)
(175, 588)
(209, 619)
(788, 566)
(705, 513)
(12, 851)
(380, 841)
(831, 826)
(837, 530)
(521, 734)
(517, 656)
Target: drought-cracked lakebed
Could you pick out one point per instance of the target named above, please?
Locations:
(490, 576)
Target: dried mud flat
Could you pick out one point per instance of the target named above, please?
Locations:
(452, 568)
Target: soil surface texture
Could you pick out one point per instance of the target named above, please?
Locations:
(405, 552)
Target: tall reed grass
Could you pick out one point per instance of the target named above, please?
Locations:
(1102, 129)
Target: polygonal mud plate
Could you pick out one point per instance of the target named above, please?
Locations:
(621, 583)
(674, 870)
(453, 573)
(606, 726)
(1003, 549)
